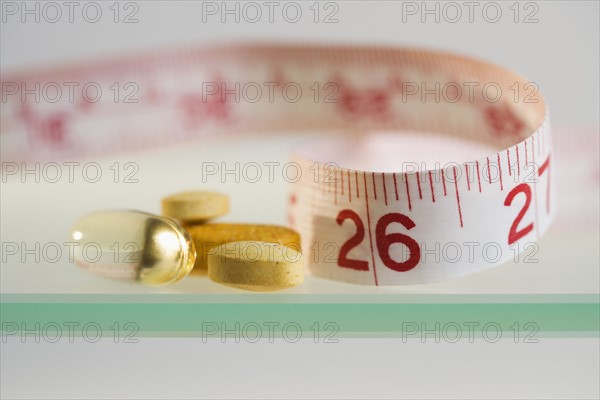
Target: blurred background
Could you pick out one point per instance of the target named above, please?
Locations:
(553, 43)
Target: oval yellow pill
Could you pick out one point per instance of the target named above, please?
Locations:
(190, 207)
(254, 265)
(208, 236)
(133, 245)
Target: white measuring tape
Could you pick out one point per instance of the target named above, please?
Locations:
(371, 219)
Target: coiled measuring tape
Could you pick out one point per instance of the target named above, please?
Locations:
(384, 221)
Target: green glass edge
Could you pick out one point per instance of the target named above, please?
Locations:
(252, 297)
(567, 319)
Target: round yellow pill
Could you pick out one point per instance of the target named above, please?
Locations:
(195, 207)
(208, 236)
(258, 266)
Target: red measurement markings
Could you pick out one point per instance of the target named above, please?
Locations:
(374, 187)
(518, 162)
(419, 185)
(457, 198)
(396, 187)
(444, 182)
(500, 172)
(356, 179)
(335, 189)
(478, 175)
(508, 162)
(368, 103)
(468, 180)
(489, 170)
(53, 129)
(369, 228)
(342, 182)
(503, 121)
(196, 111)
(535, 206)
(384, 188)
(293, 201)
(349, 188)
(525, 152)
(431, 186)
(407, 191)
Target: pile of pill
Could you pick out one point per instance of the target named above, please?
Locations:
(158, 250)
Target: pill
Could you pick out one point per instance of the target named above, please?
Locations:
(208, 236)
(196, 207)
(254, 265)
(133, 245)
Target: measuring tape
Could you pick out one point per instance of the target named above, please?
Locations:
(363, 215)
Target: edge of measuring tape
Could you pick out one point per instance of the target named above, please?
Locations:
(384, 228)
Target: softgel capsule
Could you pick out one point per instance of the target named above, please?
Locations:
(133, 245)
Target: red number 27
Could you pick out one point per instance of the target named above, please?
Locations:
(515, 233)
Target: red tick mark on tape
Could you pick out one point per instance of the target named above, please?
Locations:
(369, 227)
(335, 182)
(349, 188)
(467, 175)
(478, 175)
(407, 192)
(431, 186)
(374, 187)
(500, 172)
(384, 188)
(518, 162)
(457, 198)
(444, 182)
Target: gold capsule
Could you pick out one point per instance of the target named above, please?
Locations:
(195, 207)
(258, 266)
(208, 236)
(133, 245)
